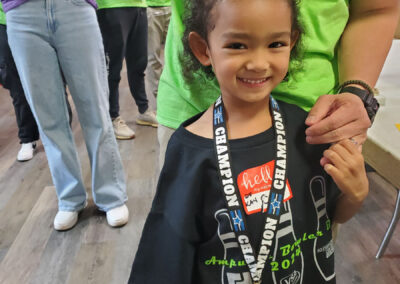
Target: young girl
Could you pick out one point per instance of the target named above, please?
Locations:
(242, 197)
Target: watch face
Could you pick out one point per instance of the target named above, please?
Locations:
(371, 117)
(371, 107)
(375, 105)
(372, 110)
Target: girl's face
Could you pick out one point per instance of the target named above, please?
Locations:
(249, 47)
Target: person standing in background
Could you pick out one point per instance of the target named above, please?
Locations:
(49, 39)
(123, 24)
(28, 132)
(158, 16)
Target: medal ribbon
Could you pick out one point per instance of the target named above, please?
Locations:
(230, 189)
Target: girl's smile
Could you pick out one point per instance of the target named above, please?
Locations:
(253, 82)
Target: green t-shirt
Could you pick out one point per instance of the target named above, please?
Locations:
(120, 3)
(158, 3)
(2, 15)
(323, 22)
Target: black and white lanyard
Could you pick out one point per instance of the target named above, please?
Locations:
(234, 205)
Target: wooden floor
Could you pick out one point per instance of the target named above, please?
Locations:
(31, 251)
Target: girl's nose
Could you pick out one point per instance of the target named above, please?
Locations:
(258, 61)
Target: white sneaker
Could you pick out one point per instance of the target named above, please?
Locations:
(118, 216)
(147, 118)
(26, 151)
(121, 130)
(65, 220)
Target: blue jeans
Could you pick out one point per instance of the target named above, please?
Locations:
(48, 37)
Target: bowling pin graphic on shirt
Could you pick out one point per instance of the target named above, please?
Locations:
(231, 273)
(287, 263)
(323, 246)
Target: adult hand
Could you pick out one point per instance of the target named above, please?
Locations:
(337, 117)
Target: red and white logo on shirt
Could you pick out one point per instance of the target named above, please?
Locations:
(255, 184)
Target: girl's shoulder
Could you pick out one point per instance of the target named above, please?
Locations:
(194, 134)
(203, 125)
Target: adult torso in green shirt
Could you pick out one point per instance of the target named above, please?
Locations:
(323, 22)
(120, 3)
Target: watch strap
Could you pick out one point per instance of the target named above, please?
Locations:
(356, 82)
(362, 94)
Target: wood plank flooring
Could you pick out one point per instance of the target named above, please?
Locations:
(31, 251)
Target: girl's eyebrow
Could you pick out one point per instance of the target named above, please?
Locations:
(239, 35)
(242, 35)
(279, 34)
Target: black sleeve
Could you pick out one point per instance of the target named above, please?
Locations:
(166, 252)
(163, 256)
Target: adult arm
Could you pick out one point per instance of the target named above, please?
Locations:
(363, 48)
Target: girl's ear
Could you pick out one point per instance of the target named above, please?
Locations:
(293, 38)
(199, 48)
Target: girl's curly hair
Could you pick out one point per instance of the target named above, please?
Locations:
(199, 18)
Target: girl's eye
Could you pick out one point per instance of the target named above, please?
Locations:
(276, 44)
(236, 45)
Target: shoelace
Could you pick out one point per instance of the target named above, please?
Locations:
(120, 122)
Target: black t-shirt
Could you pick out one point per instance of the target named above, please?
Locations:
(188, 237)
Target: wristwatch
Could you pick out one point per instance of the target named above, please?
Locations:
(370, 103)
